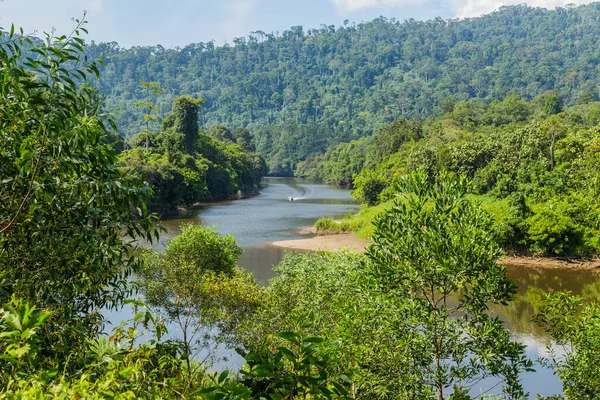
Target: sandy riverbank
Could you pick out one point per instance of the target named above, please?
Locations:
(326, 243)
(351, 242)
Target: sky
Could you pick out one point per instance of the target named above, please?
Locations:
(180, 22)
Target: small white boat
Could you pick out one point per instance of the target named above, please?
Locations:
(290, 198)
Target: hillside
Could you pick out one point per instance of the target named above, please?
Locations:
(348, 80)
(533, 165)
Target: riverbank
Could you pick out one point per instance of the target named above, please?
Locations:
(184, 211)
(325, 243)
(351, 242)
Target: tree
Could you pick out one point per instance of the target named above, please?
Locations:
(389, 138)
(586, 98)
(185, 166)
(68, 215)
(148, 107)
(437, 254)
(222, 133)
(575, 353)
(244, 139)
(334, 78)
(196, 286)
(368, 188)
(552, 105)
(183, 121)
(348, 306)
(447, 105)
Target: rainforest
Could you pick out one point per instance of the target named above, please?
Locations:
(134, 183)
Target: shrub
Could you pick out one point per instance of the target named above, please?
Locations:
(552, 232)
(368, 187)
(575, 354)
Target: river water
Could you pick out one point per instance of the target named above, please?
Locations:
(256, 222)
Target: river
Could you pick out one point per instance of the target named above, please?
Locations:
(258, 221)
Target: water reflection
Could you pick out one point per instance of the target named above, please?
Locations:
(261, 220)
(270, 216)
(533, 284)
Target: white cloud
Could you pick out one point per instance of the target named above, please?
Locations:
(475, 8)
(461, 8)
(356, 5)
(95, 5)
(239, 11)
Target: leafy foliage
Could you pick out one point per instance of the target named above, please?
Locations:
(196, 285)
(19, 345)
(511, 150)
(347, 308)
(184, 166)
(437, 252)
(67, 214)
(576, 331)
(299, 369)
(122, 370)
(410, 319)
(337, 84)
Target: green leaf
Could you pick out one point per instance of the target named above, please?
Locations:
(290, 355)
(223, 377)
(290, 337)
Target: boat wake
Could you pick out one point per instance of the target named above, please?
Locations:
(304, 193)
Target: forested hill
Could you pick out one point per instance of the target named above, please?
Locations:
(347, 80)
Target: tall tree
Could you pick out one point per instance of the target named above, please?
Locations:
(437, 253)
(185, 120)
(149, 108)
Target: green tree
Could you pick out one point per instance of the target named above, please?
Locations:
(196, 285)
(437, 252)
(368, 187)
(332, 77)
(575, 353)
(347, 306)
(148, 107)
(244, 139)
(552, 105)
(222, 133)
(447, 105)
(390, 137)
(68, 215)
(183, 121)
(586, 98)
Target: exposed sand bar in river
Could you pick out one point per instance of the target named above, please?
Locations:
(351, 242)
(326, 243)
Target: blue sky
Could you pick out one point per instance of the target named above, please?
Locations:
(180, 22)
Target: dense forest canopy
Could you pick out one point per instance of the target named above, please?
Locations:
(411, 318)
(534, 164)
(184, 165)
(352, 78)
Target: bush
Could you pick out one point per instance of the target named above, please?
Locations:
(512, 228)
(325, 225)
(575, 352)
(347, 307)
(368, 187)
(554, 233)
